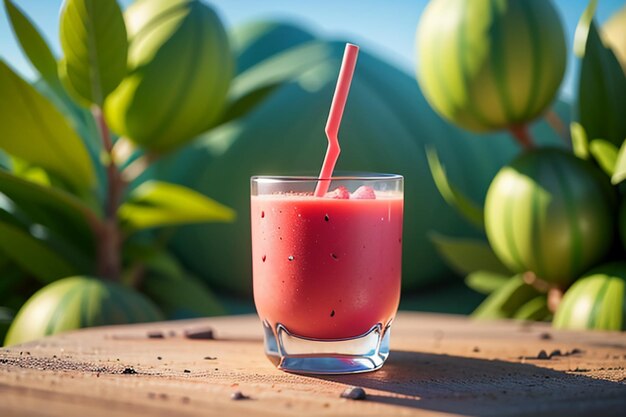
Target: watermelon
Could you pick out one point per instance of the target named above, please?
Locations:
(551, 213)
(386, 127)
(77, 302)
(180, 67)
(488, 65)
(595, 301)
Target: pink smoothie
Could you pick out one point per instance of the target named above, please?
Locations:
(326, 268)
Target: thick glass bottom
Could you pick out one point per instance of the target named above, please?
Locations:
(297, 354)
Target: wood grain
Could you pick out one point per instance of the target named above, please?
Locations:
(439, 365)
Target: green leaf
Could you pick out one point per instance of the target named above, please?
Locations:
(580, 143)
(32, 255)
(470, 210)
(601, 92)
(157, 204)
(32, 129)
(467, 255)
(33, 45)
(535, 309)
(605, 153)
(582, 29)
(486, 282)
(179, 294)
(94, 41)
(620, 165)
(59, 211)
(505, 301)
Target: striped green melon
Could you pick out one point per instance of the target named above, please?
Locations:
(77, 302)
(489, 64)
(180, 67)
(596, 301)
(551, 213)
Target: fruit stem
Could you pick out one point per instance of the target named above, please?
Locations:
(109, 263)
(555, 295)
(554, 121)
(522, 135)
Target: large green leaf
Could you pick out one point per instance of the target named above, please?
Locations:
(486, 282)
(32, 255)
(454, 197)
(467, 255)
(582, 29)
(57, 210)
(94, 41)
(605, 153)
(580, 143)
(32, 129)
(33, 45)
(619, 174)
(157, 204)
(179, 294)
(601, 91)
(506, 300)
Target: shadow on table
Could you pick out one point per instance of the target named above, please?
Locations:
(479, 387)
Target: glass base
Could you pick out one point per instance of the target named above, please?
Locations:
(293, 353)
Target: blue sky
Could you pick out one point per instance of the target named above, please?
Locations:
(385, 27)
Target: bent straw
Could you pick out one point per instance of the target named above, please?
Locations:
(334, 118)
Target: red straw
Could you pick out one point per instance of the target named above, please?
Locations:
(334, 117)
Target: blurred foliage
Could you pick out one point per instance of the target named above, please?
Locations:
(66, 208)
(551, 215)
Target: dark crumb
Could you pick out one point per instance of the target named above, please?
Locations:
(476, 349)
(354, 393)
(185, 400)
(159, 357)
(163, 396)
(187, 371)
(200, 333)
(118, 359)
(555, 352)
(545, 336)
(210, 358)
(129, 371)
(542, 355)
(28, 353)
(156, 335)
(581, 370)
(238, 395)
(332, 313)
(54, 356)
(217, 369)
(575, 351)
(326, 218)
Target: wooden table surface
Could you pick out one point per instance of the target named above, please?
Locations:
(439, 365)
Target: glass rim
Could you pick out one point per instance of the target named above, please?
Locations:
(360, 176)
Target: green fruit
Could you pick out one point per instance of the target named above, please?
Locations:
(180, 67)
(551, 213)
(487, 65)
(77, 302)
(596, 301)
